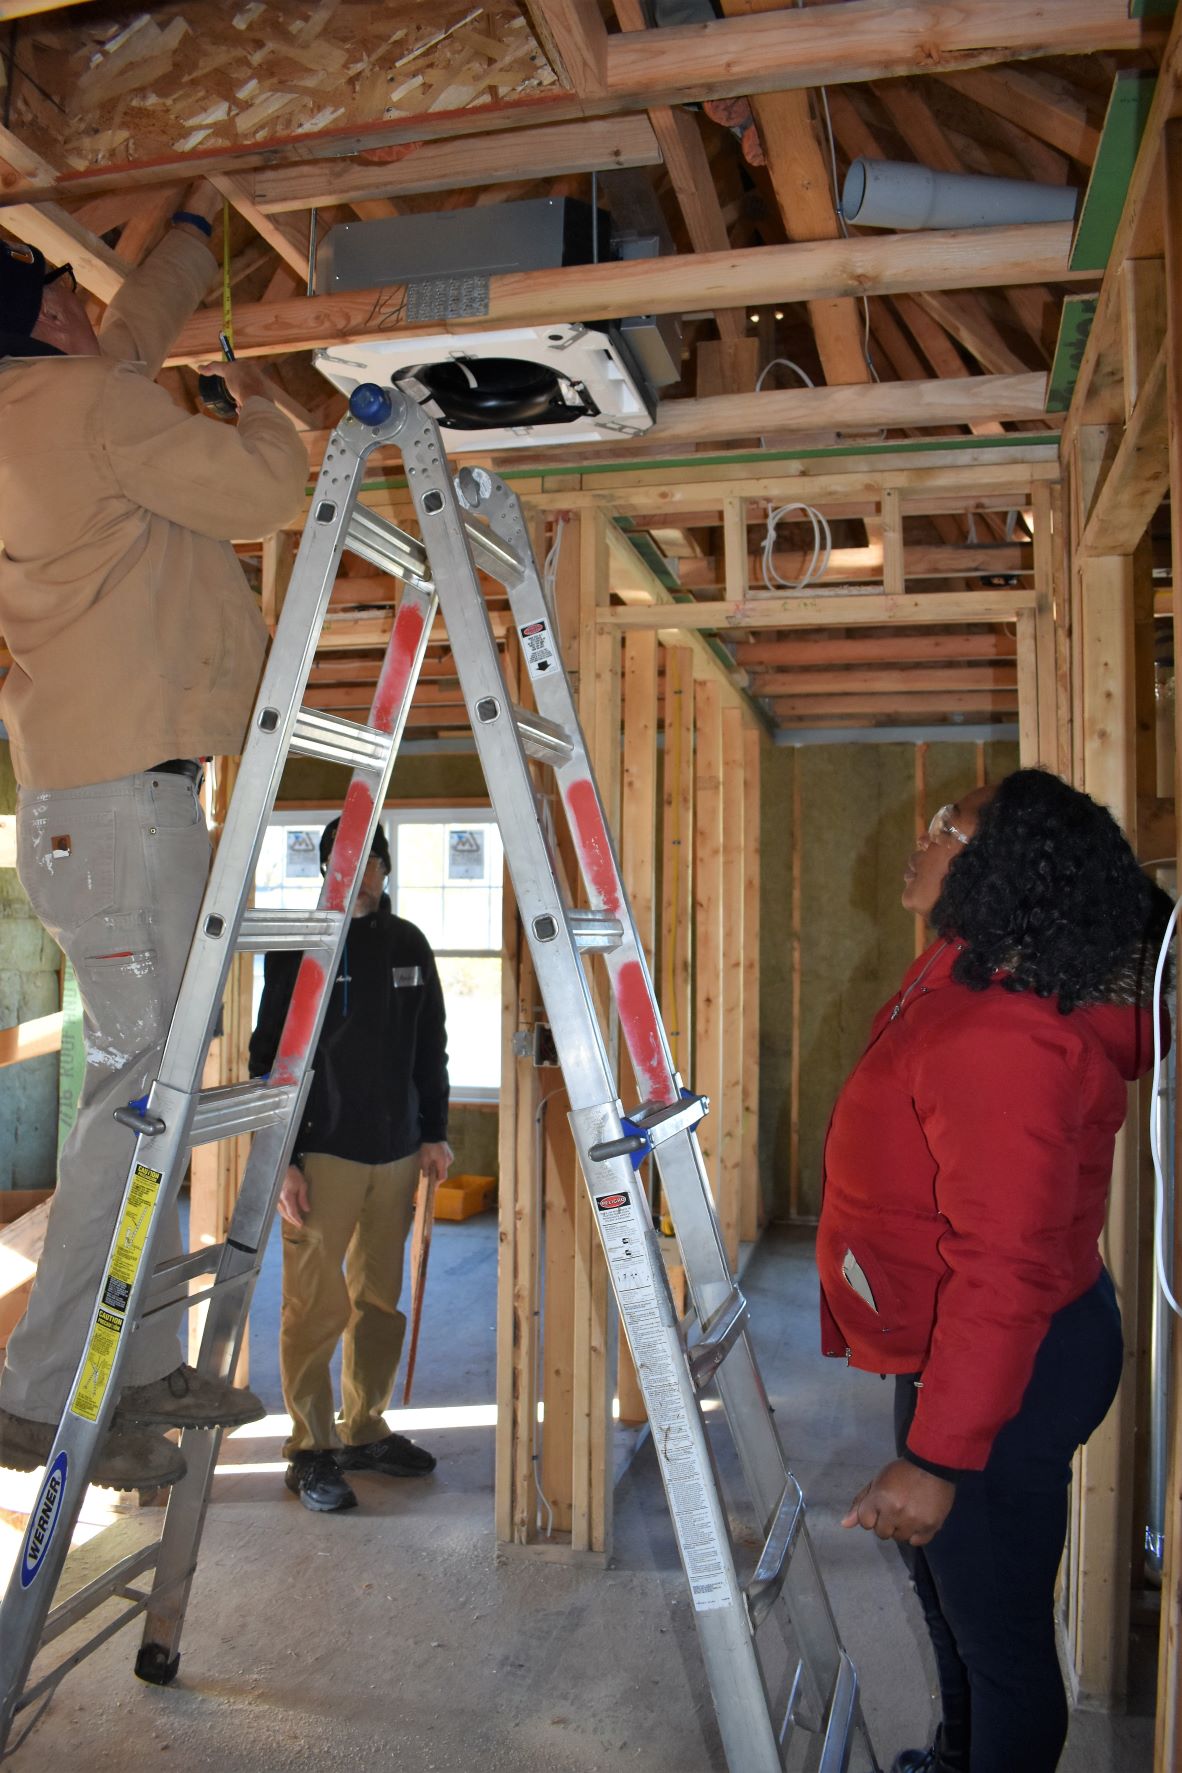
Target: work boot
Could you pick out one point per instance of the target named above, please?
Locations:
(392, 1456)
(315, 1477)
(185, 1398)
(128, 1459)
(939, 1758)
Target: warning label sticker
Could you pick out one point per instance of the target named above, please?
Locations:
(538, 647)
(656, 1353)
(124, 1266)
(100, 1358)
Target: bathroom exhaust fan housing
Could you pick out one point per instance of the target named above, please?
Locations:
(570, 382)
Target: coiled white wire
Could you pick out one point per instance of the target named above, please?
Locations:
(818, 561)
(1159, 1180)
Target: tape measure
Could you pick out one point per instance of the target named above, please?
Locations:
(212, 390)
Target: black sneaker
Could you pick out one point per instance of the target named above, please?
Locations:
(393, 1456)
(316, 1479)
(935, 1759)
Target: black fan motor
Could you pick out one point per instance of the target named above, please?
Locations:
(486, 393)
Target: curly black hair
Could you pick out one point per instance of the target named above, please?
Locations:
(1050, 892)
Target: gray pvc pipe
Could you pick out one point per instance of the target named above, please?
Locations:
(889, 194)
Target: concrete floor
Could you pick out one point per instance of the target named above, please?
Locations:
(393, 1638)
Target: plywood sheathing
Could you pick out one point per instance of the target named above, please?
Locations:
(128, 85)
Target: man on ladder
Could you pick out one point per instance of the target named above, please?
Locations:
(136, 651)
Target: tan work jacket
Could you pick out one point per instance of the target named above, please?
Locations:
(133, 632)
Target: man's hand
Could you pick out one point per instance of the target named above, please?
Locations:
(243, 378)
(435, 1161)
(903, 1502)
(294, 1204)
(202, 199)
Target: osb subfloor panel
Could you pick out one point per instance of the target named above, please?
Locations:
(392, 1638)
(120, 84)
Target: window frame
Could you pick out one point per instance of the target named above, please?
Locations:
(310, 815)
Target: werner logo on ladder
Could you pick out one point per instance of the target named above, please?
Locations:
(476, 522)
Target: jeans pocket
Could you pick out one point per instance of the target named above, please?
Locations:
(121, 992)
(66, 861)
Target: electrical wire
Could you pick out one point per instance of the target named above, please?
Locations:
(788, 364)
(1159, 1181)
(819, 559)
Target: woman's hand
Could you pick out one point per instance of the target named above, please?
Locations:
(903, 1502)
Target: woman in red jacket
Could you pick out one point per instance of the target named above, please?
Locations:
(966, 1177)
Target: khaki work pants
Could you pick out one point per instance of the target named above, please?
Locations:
(116, 873)
(359, 1216)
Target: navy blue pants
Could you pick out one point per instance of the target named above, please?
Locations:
(986, 1582)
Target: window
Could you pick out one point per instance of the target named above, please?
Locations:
(446, 878)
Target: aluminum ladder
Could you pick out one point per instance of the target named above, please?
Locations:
(813, 1722)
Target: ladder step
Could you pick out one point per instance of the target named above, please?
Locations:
(333, 739)
(763, 1591)
(108, 1582)
(386, 546)
(595, 931)
(542, 738)
(269, 930)
(231, 1109)
(720, 1332)
(843, 1713)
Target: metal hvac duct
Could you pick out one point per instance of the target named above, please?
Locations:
(890, 194)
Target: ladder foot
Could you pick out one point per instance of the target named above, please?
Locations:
(154, 1665)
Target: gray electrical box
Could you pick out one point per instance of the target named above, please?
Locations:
(489, 241)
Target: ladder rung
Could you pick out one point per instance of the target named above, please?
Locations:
(268, 930)
(720, 1332)
(595, 931)
(764, 1588)
(386, 546)
(542, 738)
(335, 740)
(240, 1108)
(106, 1583)
(842, 1712)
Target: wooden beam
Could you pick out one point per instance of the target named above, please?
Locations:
(902, 682)
(1136, 236)
(895, 649)
(1138, 479)
(61, 237)
(859, 40)
(801, 180)
(1048, 107)
(675, 955)
(964, 316)
(289, 239)
(810, 710)
(803, 611)
(709, 930)
(552, 149)
(942, 259)
(679, 137)
(732, 902)
(31, 1040)
(927, 560)
(751, 1209)
(573, 35)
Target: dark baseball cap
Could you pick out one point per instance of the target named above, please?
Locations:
(23, 276)
(379, 849)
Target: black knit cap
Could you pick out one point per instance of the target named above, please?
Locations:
(379, 849)
(22, 282)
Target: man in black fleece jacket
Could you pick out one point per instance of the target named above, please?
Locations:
(376, 1117)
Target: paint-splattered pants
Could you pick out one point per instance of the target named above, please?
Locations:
(116, 873)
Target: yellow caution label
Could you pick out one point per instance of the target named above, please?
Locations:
(133, 1227)
(124, 1266)
(100, 1358)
